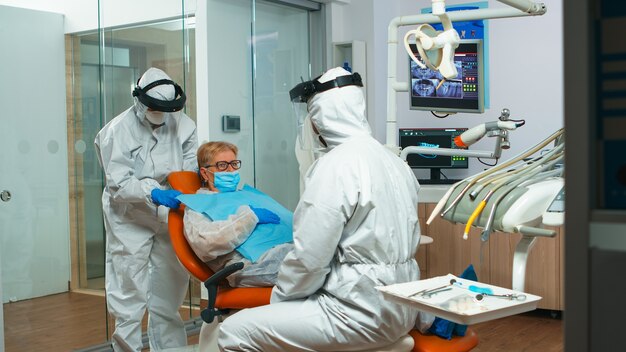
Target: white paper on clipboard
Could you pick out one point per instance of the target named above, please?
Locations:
(459, 304)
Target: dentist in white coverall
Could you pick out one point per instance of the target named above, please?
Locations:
(137, 150)
(355, 228)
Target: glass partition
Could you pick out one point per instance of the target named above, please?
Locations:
(105, 66)
(281, 57)
(250, 73)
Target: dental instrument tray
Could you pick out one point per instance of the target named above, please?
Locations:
(459, 300)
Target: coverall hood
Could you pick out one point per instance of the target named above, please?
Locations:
(338, 113)
(162, 92)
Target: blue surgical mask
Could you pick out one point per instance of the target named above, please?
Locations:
(226, 181)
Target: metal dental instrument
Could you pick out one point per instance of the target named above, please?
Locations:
(509, 296)
(431, 291)
(434, 292)
(482, 292)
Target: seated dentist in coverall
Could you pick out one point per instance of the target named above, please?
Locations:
(137, 150)
(355, 228)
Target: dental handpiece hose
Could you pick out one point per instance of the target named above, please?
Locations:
(474, 134)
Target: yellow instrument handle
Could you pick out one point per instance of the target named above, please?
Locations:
(473, 217)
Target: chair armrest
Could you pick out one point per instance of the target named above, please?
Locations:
(222, 274)
(211, 285)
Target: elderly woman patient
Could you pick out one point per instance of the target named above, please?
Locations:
(224, 225)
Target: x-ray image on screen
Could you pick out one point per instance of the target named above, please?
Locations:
(450, 89)
(430, 91)
(428, 83)
(422, 73)
(425, 87)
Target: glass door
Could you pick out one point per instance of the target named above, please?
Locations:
(107, 65)
(257, 51)
(34, 201)
(281, 57)
(34, 157)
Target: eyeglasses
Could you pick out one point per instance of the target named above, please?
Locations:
(223, 165)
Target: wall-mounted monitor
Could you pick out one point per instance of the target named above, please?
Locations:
(433, 138)
(429, 91)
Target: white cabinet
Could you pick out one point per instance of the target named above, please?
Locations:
(355, 55)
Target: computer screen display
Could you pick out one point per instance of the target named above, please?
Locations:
(429, 91)
(433, 138)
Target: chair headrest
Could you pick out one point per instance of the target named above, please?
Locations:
(187, 182)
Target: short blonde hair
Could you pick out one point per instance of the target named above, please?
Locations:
(207, 151)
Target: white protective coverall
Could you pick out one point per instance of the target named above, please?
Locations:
(214, 242)
(142, 271)
(355, 228)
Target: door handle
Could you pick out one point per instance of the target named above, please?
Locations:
(5, 195)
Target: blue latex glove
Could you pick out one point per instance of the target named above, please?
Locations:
(166, 197)
(445, 328)
(265, 216)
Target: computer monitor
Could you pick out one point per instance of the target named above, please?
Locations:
(465, 93)
(433, 138)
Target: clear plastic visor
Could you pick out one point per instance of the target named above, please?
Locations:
(301, 112)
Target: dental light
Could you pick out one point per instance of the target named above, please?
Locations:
(436, 48)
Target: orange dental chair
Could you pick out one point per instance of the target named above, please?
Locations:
(229, 298)
(222, 299)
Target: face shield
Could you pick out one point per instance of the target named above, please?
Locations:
(308, 142)
(162, 105)
(159, 97)
(302, 92)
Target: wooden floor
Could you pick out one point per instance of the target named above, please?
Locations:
(61, 322)
(70, 321)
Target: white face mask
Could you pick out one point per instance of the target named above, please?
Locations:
(155, 117)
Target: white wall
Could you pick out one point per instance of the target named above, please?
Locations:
(361, 15)
(82, 15)
(526, 56)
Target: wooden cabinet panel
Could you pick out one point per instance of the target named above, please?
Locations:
(450, 253)
(501, 249)
(543, 266)
(543, 271)
(561, 236)
(422, 250)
